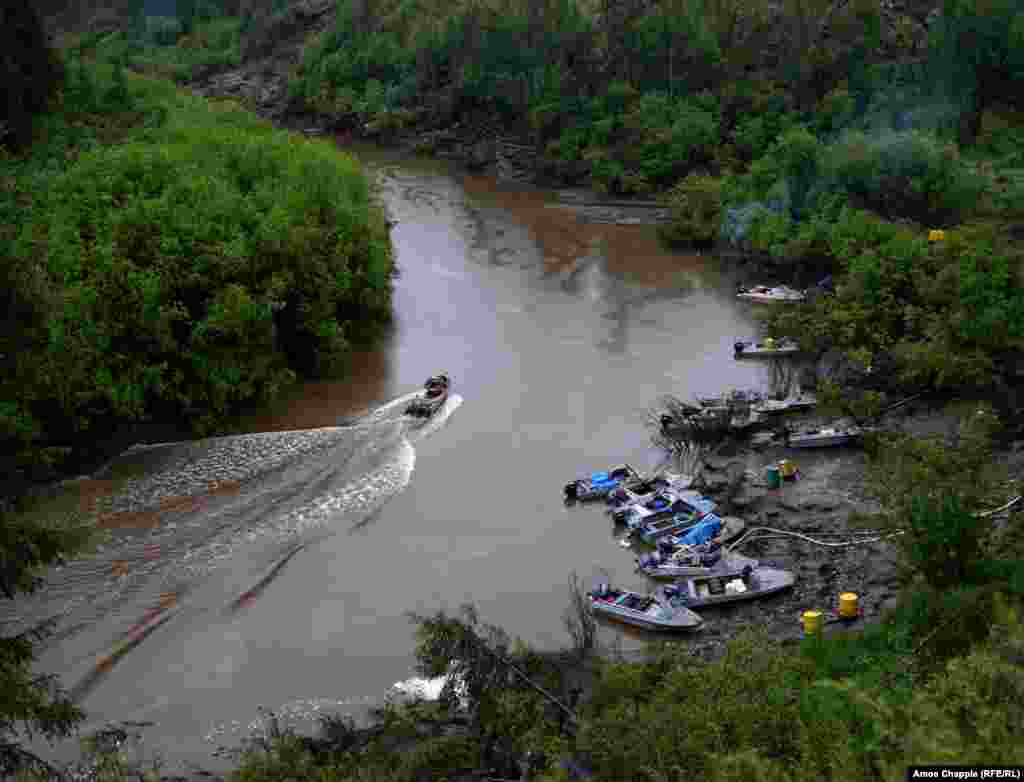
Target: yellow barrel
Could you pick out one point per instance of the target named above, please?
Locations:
(936, 235)
(786, 468)
(769, 343)
(812, 622)
(848, 605)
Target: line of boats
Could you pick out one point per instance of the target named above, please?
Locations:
(746, 411)
(671, 607)
(689, 538)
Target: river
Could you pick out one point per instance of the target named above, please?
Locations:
(558, 334)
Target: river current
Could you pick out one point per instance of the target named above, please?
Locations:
(287, 583)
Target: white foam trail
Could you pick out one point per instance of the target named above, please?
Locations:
(290, 712)
(387, 411)
(360, 497)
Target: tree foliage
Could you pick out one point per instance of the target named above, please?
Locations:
(976, 51)
(934, 488)
(29, 70)
(199, 267)
(32, 703)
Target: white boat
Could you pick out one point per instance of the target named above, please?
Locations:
(788, 405)
(770, 347)
(766, 294)
(823, 438)
(730, 586)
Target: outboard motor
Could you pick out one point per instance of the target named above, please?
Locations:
(710, 558)
(738, 347)
(572, 491)
(667, 422)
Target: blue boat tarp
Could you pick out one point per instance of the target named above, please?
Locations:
(702, 532)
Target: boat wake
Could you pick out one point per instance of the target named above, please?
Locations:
(214, 559)
(417, 431)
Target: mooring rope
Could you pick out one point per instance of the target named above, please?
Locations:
(1000, 509)
(786, 533)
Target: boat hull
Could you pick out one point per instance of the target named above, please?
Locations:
(769, 581)
(656, 530)
(684, 619)
(630, 496)
(784, 406)
(586, 489)
(762, 350)
(424, 407)
(682, 571)
(821, 442)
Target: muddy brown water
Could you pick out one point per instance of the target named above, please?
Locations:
(558, 333)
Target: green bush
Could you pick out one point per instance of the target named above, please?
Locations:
(161, 50)
(770, 232)
(696, 210)
(676, 135)
(162, 30)
(909, 175)
(153, 268)
(439, 758)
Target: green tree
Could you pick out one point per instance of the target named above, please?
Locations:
(29, 70)
(31, 703)
(977, 47)
(933, 490)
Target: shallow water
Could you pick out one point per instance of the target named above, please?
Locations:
(558, 334)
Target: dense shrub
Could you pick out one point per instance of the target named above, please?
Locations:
(160, 48)
(696, 210)
(153, 270)
(907, 174)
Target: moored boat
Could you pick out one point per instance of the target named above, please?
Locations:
(664, 505)
(823, 437)
(435, 394)
(599, 484)
(697, 551)
(730, 586)
(731, 526)
(766, 294)
(646, 489)
(792, 404)
(647, 611)
(706, 418)
(766, 349)
(659, 528)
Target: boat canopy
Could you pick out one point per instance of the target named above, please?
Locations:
(706, 529)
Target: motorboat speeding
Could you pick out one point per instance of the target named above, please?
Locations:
(434, 395)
